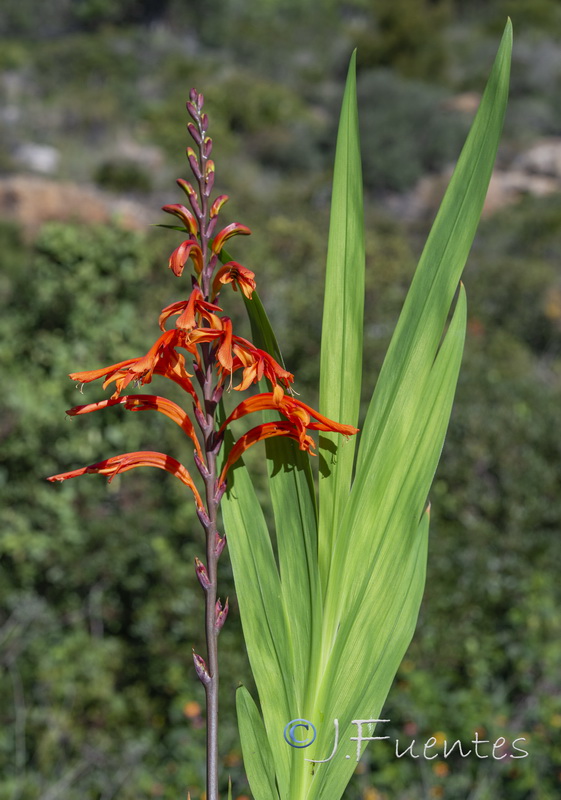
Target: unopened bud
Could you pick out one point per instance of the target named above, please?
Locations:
(221, 612)
(200, 669)
(207, 147)
(204, 122)
(194, 133)
(200, 101)
(193, 163)
(192, 111)
(193, 94)
(202, 574)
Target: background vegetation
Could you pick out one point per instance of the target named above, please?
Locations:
(99, 606)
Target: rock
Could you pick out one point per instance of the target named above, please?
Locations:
(542, 158)
(38, 157)
(31, 201)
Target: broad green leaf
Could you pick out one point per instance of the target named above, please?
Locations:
(258, 759)
(264, 623)
(422, 320)
(343, 311)
(378, 619)
(293, 498)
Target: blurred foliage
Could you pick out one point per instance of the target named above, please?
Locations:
(122, 176)
(99, 606)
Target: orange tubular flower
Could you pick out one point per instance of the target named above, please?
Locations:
(145, 402)
(298, 413)
(188, 249)
(234, 273)
(161, 359)
(257, 364)
(184, 215)
(227, 232)
(188, 310)
(260, 432)
(141, 458)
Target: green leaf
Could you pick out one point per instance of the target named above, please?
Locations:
(383, 578)
(343, 311)
(293, 498)
(264, 622)
(258, 759)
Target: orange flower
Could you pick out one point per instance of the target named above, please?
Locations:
(264, 431)
(188, 311)
(298, 413)
(142, 402)
(257, 364)
(226, 233)
(234, 273)
(188, 249)
(161, 359)
(184, 215)
(141, 458)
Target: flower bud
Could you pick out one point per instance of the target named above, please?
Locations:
(193, 163)
(219, 545)
(220, 492)
(200, 669)
(203, 517)
(194, 133)
(201, 466)
(221, 612)
(202, 574)
(217, 205)
(192, 111)
(207, 147)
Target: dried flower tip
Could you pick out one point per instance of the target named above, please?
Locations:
(202, 574)
(200, 669)
(221, 612)
(217, 205)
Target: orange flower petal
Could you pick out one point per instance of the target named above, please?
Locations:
(127, 461)
(260, 432)
(144, 402)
